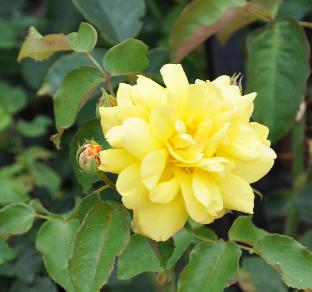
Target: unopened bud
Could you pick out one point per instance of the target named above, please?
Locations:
(88, 156)
(106, 100)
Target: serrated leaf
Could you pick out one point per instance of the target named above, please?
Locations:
(277, 71)
(116, 20)
(53, 241)
(128, 56)
(74, 92)
(238, 17)
(84, 40)
(289, 258)
(211, 267)
(36, 127)
(91, 130)
(6, 253)
(199, 20)
(40, 47)
(103, 235)
(138, 248)
(243, 230)
(254, 274)
(16, 218)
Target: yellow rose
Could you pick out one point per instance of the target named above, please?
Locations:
(184, 150)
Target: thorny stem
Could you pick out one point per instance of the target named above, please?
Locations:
(106, 76)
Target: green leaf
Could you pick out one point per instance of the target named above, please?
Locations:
(306, 239)
(39, 208)
(6, 253)
(197, 22)
(277, 71)
(211, 267)
(12, 191)
(84, 40)
(116, 20)
(74, 92)
(138, 248)
(181, 241)
(257, 276)
(53, 241)
(92, 130)
(239, 17)
(12, 98)
(40, 47)
(203, 233)
(37, 127)
(103, 235)
(243, 230)
(59, 69)
(46, 177)
(298, 9)
(8, 36)
(5, 120)
(128, 56)
(289, 258)
(16, 218)
(86, 204)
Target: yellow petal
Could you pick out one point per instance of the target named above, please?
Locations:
(108, 118)
(162, 120)
(253, 170)
(114, 136)
(160, 221)
(237, 194)
(262, 132)
(124, 94)
(207, 192)
(195, 209)
(164, 192)
(176, 81)
(138, 138)
(152, 167)
(129, 181)
(151, 93)
(115, 160)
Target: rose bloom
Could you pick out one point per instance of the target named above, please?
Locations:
(184, 150)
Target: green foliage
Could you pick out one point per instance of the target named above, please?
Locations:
(138, 257)
(16, 218)
(290, 258)
(84, 241)
(84, 40)
(190, 30)
(128, 56)
(77, 87)
(278, 71)
(255, 275)
(243, 230)
(103, 235)
(56, 252)
(116, 20)
(211, 267)
(6, 253)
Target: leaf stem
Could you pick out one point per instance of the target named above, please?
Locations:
(105, 179)
(298, 138)
(305, 24)
(107, 77)
(45, 217)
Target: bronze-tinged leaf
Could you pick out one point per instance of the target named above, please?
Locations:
(40, 47)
